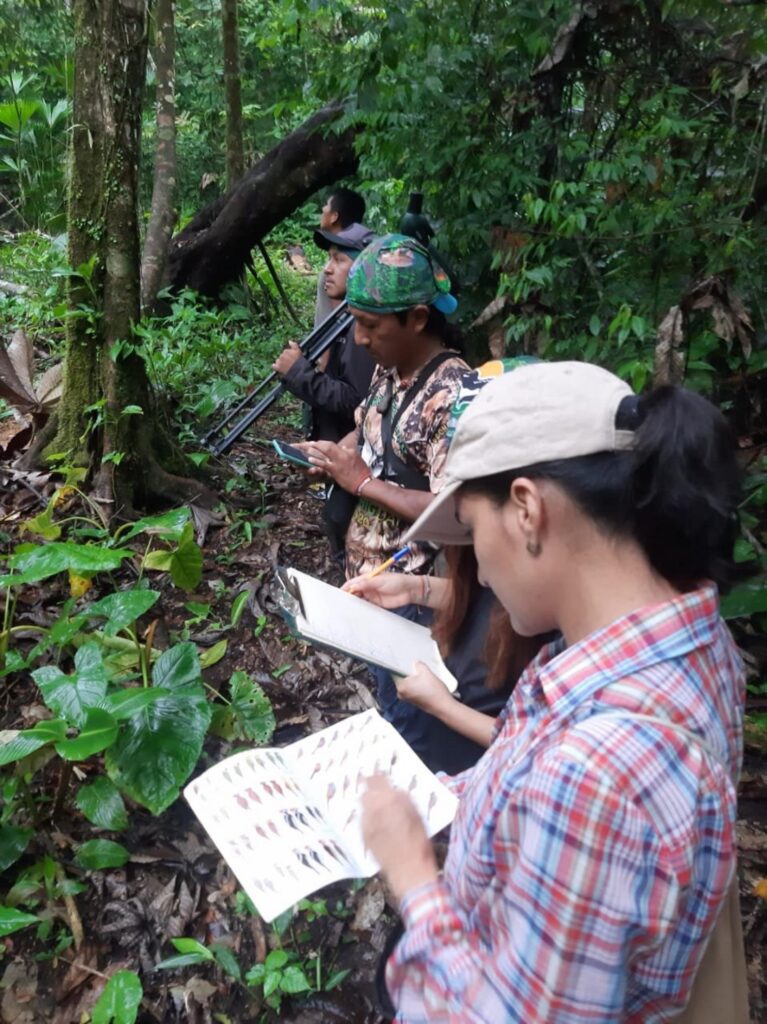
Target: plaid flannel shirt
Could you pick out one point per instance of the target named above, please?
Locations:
(589, 856)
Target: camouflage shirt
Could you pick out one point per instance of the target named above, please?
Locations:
(420, 440)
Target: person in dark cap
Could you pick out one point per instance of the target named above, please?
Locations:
(334, 386)
(333, 390)
(343, 208)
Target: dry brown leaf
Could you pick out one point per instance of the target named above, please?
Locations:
(22, 1003)
(730, 317)
(50, 387)
(22, 356)
(371, 903)
(17, 363)
(760, 888)
(724, 324)
(203, 519)
(296, 260)
(78, 973)
(12, 387)
(668, 367)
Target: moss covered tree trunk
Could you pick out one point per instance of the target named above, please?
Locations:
(106, 416)
(163, 215)
(235, 159)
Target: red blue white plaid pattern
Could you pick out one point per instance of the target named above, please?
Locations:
(589, 857)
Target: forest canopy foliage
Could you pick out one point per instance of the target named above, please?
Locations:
(591, 162)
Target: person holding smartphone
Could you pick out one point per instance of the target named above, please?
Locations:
(393, 462)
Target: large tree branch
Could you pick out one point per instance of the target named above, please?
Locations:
(214, 247)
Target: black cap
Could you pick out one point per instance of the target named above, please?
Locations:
(356, 237)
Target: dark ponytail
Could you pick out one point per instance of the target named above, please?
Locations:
(687, 486)
(676, 491)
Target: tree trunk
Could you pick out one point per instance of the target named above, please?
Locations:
(110, 56)
(163, 215)
(213, 248)
(235, 161)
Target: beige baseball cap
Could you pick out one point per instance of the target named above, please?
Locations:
(538, 413)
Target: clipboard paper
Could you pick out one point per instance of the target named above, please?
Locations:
(334, 618)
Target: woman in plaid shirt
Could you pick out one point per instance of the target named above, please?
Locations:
(594, 848)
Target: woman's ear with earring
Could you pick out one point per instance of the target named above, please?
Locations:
(526, 507)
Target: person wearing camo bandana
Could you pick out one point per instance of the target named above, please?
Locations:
(393, 461)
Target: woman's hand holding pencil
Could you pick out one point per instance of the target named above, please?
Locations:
(392, 592)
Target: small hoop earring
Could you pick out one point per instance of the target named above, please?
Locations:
(534, 548)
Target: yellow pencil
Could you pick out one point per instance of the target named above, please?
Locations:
(396, 557)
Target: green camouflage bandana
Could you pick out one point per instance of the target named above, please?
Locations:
(396, 272)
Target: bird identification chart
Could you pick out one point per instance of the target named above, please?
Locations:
(287, 820)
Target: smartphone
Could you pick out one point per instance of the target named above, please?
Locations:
(291, 454)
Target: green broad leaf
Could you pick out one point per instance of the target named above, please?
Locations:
(29, 740)
(294, 980)
(238, 607)
(744, 551)
(252, 709)
(12, 920)
(256, 974)
(129, 702)
(122, 663)
(98, 733)
(101, 853)
(335, 979)
(595, 325)
(276, 959)
(184, 945)
(226, 959)
(198, 608)
(213, 654)
(282, 921)
(14, 662)
(132, 410)
(169, 524)
(158, 560)
(744, 600)
(13, 842)
(101, 803)
(272, 982)
(122, 609)
(156, 750)
(186, 566)
(43, 524)
(72, 696)
(184, 960)
(223, 722)
(120, 1001)
(64, 629)
(42, 562)
(15, 114)
(178, 667)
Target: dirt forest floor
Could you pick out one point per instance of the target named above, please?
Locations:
(175, 884)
